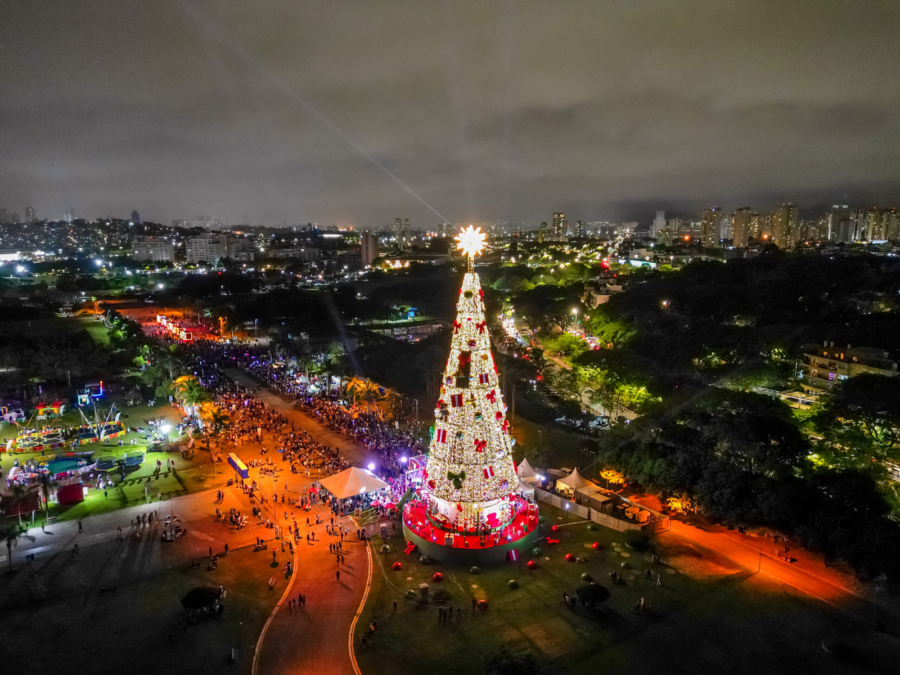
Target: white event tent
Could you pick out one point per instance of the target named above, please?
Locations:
(527, 474)
(352, 482)
(573, 481)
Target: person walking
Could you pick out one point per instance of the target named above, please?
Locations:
(337, 575)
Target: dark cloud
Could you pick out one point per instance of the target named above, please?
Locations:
(340, 112)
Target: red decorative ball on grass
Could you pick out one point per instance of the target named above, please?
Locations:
(397, 566)
(554, 528)
(438, 576)
(482, 604)
(596, 544)
(532, 565)
(570, 557)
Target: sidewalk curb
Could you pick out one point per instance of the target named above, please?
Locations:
(262, 635)
(359, 611)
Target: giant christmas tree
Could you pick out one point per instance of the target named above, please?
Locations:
(470, 476)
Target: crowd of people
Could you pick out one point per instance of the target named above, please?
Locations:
(251, 420)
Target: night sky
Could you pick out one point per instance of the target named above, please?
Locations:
(355, 113)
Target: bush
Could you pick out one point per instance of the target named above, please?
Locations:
(637, 540)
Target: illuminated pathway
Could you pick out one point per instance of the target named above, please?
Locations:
(354, 452)
(315, 639)
(760, 554)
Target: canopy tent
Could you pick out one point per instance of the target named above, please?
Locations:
(573, 481)
(352, 482)
(525, 490)
(526, 473)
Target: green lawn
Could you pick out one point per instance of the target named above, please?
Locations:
(705, 611)
(531, 616)
(96, 329)
(110, 610)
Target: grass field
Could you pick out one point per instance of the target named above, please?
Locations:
(96, 329)
(705, 611)
(125, 628)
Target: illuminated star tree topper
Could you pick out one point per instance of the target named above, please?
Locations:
(471, 241)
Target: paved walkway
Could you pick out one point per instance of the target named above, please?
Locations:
(354, 452)
(760, 554)
(314, 639)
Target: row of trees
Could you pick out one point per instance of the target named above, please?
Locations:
(742, 460)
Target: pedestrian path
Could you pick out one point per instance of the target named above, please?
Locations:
(314, 639)
(351, 450)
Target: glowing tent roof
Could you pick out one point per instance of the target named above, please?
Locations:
(525, 472)
(573, 481)
(352, 482)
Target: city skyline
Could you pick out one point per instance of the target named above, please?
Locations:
(451, 113)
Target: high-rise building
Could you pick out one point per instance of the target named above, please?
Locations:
(207, 249)
(874, 225)
(181, 222)
(892, 225)
(837, 213)
(578, 229)
(659, 224)
(542, 233)
(725, 225)
(14, 218)
(709, 227)
(401, 233)
(368, 248)
(756, 226)
(29, 214)
(4, 215)
(560, 225)
(135, 217)
(740, 227)
(245, 221)
(70, 215)
(784, 222)
(676, 227)
(153, 250)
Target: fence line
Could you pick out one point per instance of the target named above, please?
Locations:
(588, 513)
